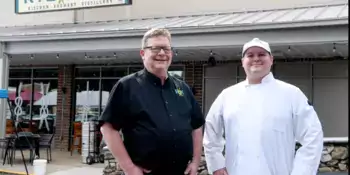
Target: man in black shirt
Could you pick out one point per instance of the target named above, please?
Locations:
(159, 118)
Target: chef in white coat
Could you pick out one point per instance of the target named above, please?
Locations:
(262, 118)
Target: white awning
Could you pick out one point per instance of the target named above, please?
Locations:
(334, 14)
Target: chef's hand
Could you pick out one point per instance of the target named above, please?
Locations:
(221, 171)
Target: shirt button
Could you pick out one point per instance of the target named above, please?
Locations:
(166, 102)
(174, 130)
(170, 115)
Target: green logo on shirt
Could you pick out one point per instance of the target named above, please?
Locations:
(179, 92)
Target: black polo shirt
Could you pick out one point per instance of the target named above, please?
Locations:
(156, 120)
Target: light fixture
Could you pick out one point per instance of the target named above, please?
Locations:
(31, 56)
(58, 56)
(334, 48)
(115, 54)
(86, 56)
(288, 48)
(211, 60)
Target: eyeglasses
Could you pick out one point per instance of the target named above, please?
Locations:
(157, 49)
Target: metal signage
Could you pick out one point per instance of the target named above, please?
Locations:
(4, 93)
(30, 6)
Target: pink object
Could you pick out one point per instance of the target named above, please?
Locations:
(25, 95)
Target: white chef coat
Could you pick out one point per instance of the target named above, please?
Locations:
(261, 124)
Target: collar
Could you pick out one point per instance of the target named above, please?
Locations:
(154, 79)
(268, 78)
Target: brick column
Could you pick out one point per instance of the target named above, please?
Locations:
(194, 75)
(64, 111)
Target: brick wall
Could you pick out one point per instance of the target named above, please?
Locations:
(65, 76)
(194, 76)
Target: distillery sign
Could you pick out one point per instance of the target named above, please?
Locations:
(30, 6)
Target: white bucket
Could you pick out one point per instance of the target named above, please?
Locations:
(40, 166)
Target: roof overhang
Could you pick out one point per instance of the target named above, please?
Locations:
(314, 35)
(99, 34)
(296, 17)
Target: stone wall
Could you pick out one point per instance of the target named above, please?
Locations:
(334, 159)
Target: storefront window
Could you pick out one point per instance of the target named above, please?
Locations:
(135, 69)
(87, 99)
(33, 97)
(92, 91)
(114, 72)
(20, 73)
(176, 71)
(106, 86)
(94, 84)
(88, 72)
(20, 97)
(45, 103)
(45, 73)
(177, 74)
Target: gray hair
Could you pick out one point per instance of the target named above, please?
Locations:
(155, 32)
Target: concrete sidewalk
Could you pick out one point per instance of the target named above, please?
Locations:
(63, 163)
(79, 170)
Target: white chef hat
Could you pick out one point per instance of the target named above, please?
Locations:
(256, 42)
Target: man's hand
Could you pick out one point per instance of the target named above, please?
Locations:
(221, 171)
(192, 168)
(135, 170)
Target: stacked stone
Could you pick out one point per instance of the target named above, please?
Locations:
(202, 169)
(111, 165)
(335, 158)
